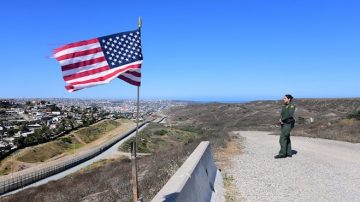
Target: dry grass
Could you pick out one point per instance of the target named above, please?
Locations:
(109, 180)
(223, 160)
(94, 132)
(76, 141)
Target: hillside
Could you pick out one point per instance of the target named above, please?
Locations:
(75, 143)
(324, 118)
(186, 126)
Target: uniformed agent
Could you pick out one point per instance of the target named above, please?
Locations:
(287, 122)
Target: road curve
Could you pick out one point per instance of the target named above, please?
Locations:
(322, 170)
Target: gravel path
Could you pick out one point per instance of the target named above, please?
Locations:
(322, 170)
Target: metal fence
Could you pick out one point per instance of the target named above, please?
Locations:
(26, 179)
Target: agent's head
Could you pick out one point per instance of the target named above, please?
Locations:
(288, 98)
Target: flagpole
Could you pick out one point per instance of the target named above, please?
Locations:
(135, 187)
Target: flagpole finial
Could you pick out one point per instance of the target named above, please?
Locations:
(140, 22)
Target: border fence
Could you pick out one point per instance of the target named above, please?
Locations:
(29, 178)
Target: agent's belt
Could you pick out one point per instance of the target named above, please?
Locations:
(288, 120)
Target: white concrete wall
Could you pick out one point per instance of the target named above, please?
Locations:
(197, 179)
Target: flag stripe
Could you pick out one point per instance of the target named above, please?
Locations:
(79, 53)
(101, 74)
(83, 63)
(132, 82)
(86, 73)
(76, 44)
(76, 49)
(80, 58)
(136, 74)
(84, 68)
(132, 77)
(106, 77)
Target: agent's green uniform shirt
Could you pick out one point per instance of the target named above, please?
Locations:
(287, 111)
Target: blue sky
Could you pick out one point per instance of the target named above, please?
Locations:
(196, 50)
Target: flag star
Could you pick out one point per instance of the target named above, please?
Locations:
(115, 41)
(105, 46)
(108, 43)
(135, 44)
(117, 46)
(110, 39)
(103, 41)
(140, 55)
(113, 63)
(112, 45)
(117, 56)
(133, 48)
(121, 39)
(131, 52)
(112, 54)
(127, 59)
(107, 52)
(126, 41)
(122, 48)
(134, 39)
(110, 58)
(110, 48)
(136, 53)
(131, 34)
(117, 37)
(124, 36)
(115, 59)
(129, 47)
(122, 58)
(131, 43)
(133, 57)
(137, 32)
(137, 41)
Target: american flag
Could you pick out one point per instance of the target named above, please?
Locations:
(98, 61)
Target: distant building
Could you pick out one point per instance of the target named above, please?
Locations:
(33, 126)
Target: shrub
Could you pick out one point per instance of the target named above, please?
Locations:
(354, 115)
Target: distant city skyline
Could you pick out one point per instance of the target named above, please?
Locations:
(193, 50)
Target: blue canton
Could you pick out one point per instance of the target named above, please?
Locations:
(122, 48)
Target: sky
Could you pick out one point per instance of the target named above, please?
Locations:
(193, 50)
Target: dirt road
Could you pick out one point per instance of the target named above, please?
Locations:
(322, 170)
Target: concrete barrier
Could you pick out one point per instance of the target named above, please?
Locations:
(197, 179)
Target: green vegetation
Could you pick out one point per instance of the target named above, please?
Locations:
(354, 115)
(42, 152)
(66, 144)
(93, 132)
(157, 137)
